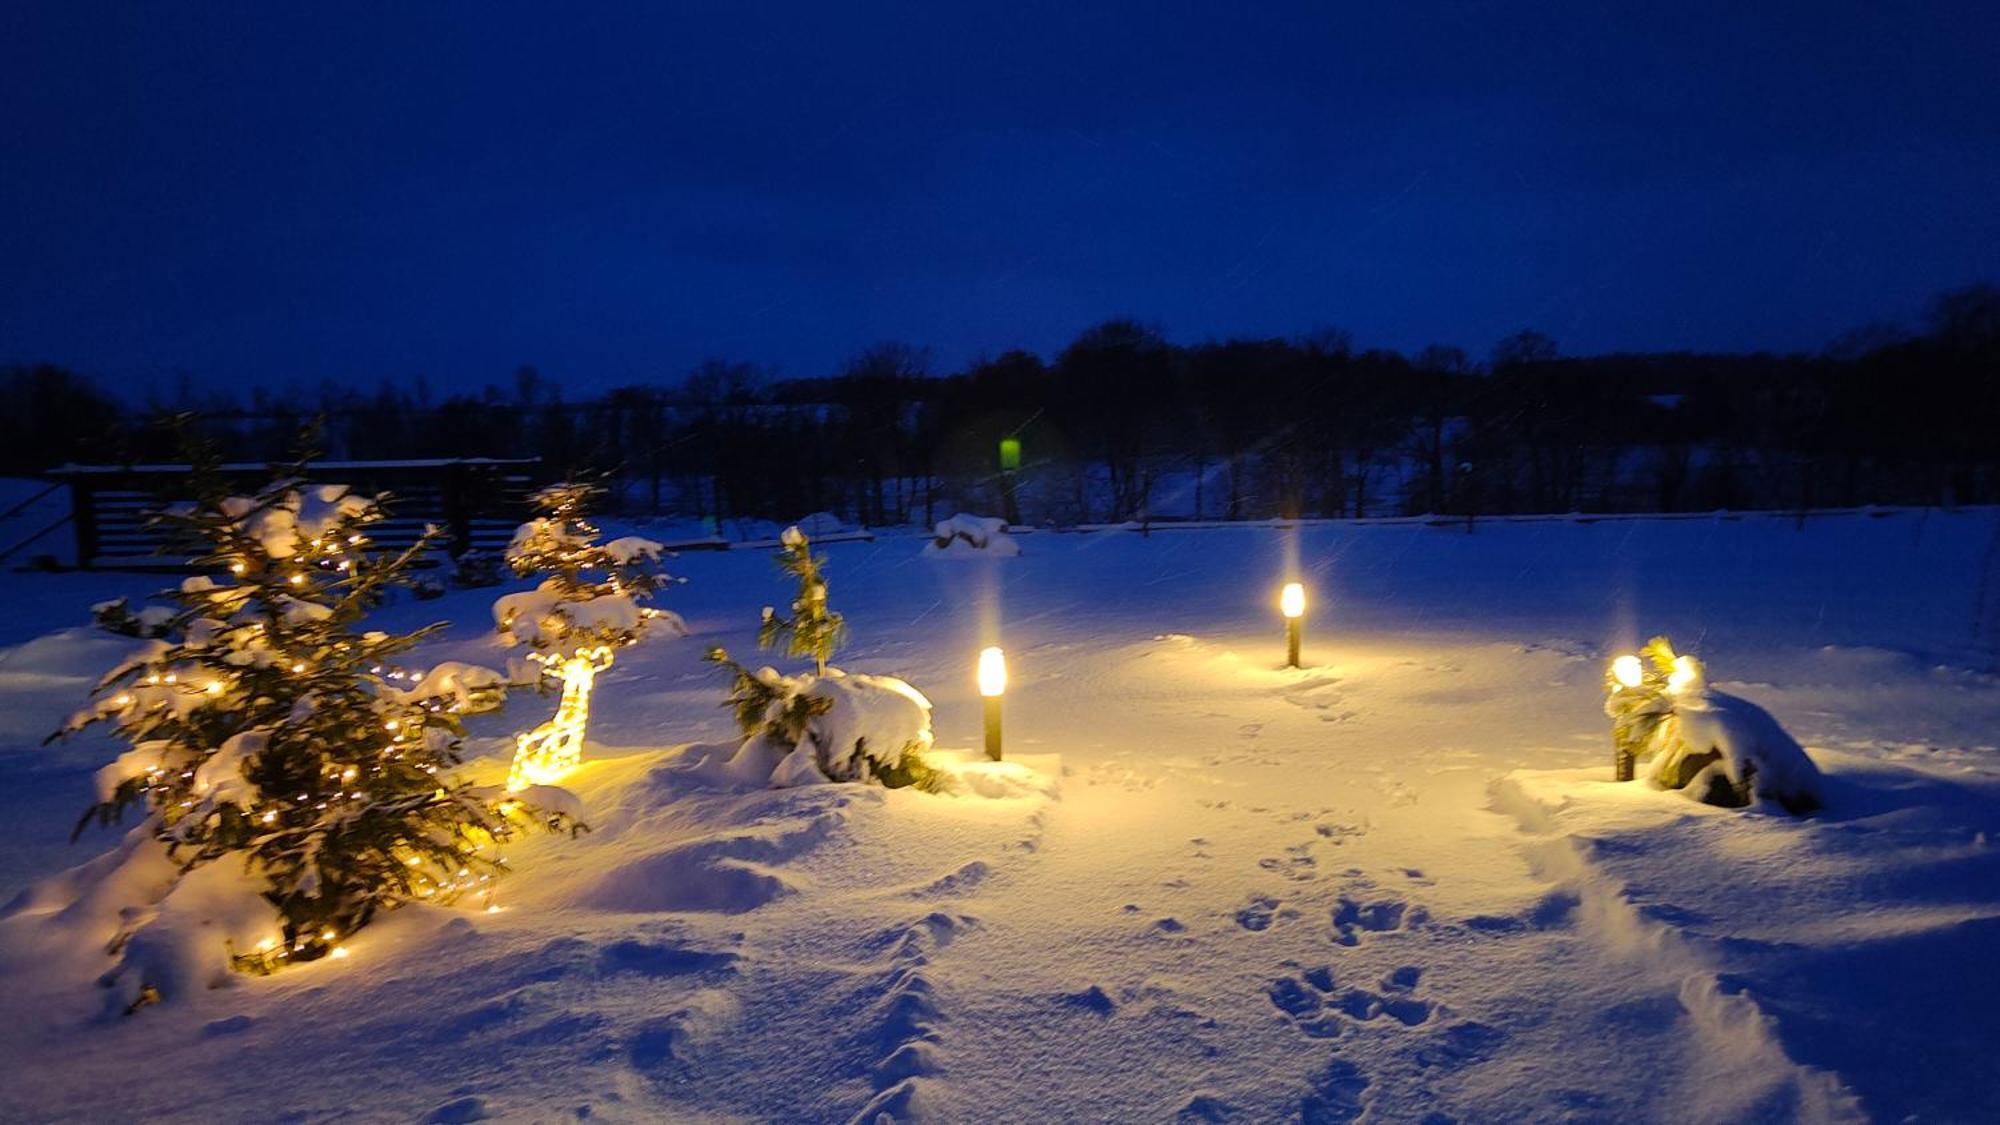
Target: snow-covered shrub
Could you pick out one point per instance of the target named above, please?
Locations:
(588, 607)
(822, 524)
(269, 734)
(835, 726)
(972, 535)
(827, 725)
(1720, 748)
(116, 616)
(476, 568)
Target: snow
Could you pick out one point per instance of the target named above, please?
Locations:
(219, 780)
(469, 686)
(629, 549)
(1392, 884)
(300, 514)
(164, 928)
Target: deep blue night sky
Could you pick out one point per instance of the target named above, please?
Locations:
(288, 193)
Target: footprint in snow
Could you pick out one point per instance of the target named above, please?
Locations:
(1352, 917)
(1403, 979)
(1256, 914)
(1295, 865)
(1310, 1000)
(660, 958)
(1336, 832)
(1336, 1095)
(1461, 1044)
(1363, 1005)
(1093, 999)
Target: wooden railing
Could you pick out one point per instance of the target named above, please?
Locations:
(477, 501)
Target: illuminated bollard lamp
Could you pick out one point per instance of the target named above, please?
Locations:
(1292, 603)
(1640, 700)
(1626, 676)
(992, 685)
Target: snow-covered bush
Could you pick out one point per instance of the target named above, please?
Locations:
(271, 736)
(972, 535)
(827, 725)
(822, 524)
(588, 607)
(116, 616)
(836, 726)
(476, 568)
(1720, 748)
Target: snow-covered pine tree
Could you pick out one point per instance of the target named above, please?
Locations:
(828, 725)
(267, 728)
(587, 608)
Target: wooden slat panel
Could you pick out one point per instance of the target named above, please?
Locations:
(477, 502)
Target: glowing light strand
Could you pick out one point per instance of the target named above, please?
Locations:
(548, 753)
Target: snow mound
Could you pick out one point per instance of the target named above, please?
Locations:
(964, 535)
(704, 876)
(820, 524)
(1747, 753)
(963, 774)
(143, 928)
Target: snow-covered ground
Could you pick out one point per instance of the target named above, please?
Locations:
(1394, 884)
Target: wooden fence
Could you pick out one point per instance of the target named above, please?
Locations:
(477, 501)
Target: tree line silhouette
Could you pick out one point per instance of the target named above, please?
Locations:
(1124, 425)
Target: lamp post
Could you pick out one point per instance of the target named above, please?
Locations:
(1010, 464)
(1628, 673)
(1292, 602)
(992, 683)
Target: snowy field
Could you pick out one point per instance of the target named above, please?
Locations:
(1394, 885)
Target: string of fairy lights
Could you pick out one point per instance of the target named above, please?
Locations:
(258, 656)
